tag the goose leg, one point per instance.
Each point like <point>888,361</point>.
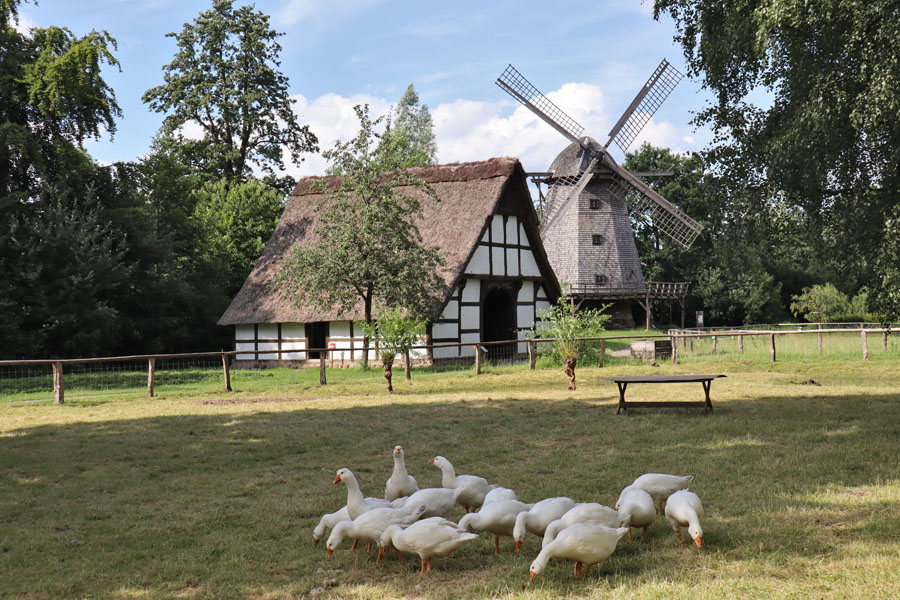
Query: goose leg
<point>368,547</point>
<point>645,533</point>
<point>380,554</point>
<point>577,572</point>
<point>355,544</point>
<point>660,508</point>
<point>586,569</point>
<point>629,534</point>
<point>423,566</point>
<point>428,565</point>
<point>399,556</point>
<point>497,545</point>
<point>678,533</point>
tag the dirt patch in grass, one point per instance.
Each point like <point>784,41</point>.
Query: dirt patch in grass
<point>227,401</point>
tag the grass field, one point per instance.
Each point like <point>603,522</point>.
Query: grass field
<point>206,494</point>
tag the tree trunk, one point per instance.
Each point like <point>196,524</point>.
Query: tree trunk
<point>569,364</point>
<point>367,303</point>
<point>388,366</point>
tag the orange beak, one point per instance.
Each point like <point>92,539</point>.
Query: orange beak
<point>315,541</point>
<point>330,551</point>
<point>698,542</point>
<point>337,479</point>
<point>532,575</point>
<point>518,546</point>
<point>431,460</point>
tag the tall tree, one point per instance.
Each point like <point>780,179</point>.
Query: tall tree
<point>224,78</point>
<point>826,140</point>
<point>370,250</point>
<point>411,121</point>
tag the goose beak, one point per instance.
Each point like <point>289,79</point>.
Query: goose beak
<point>431,460</point>
<point>532,575</point>
<point>337,479</point>
<point>518,545</point>
<point>698,542</point>
<point>315,541</point>
<point>330,551</point>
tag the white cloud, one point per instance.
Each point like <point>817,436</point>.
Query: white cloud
<point>323,14</point>
<point>468,130</point>
<point>24,24</point>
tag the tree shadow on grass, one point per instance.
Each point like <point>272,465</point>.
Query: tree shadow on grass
<point>226,503</point>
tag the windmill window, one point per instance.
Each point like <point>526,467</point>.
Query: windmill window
<point>600,279</point>
<point>595,203</point>
<point>597,239</point>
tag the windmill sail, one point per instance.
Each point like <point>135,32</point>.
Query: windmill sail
<point>645,104</point>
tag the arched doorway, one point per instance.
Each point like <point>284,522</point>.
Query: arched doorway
<point>498,321</point>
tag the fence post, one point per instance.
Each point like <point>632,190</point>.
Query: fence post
<point>59,389</point>
<point>820,342</point>
<point>226,372</point>
<point>865,344</point>
<point>151,369</point>
<point>477,359</point>
<point>602,351</point>
<point>674,350</point>
<point>884,340</point>
<point>692,345</point>
<point>715,342</point>
<point>772,346</point>
<point>531,355</point>
<point>322,367</point>
<point>740,344</point>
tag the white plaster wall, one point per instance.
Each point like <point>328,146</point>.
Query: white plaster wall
<point>450,352</point>
<point>497,229</point>
<point>541,294</point>
<point>541,305</point>
<point>512,225</point>
<point>529,265</point>
<point>486,237</point>
<point>526,292</point>
<point>267,331</point>
<point>472,291</point>
<point>243,332</point>
<point>244,346</point>
<point>523,237</point>
<point>521,348</point>
<point>524,317</point>
<point>497,256</point>
<point>293,331</point>
<point>445,330</point>
<point>512,261</point>
<point>268,346</point>
<point>451,311</point>
<point>470,317</point>
<point>339,329</point>
<point>469,339</point>
<point>480,264</point>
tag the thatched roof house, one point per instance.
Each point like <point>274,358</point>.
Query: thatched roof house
<point>496,269</point>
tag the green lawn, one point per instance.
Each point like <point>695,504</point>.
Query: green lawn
<point>207,494</point>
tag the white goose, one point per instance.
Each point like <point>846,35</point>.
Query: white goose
<point>436,502</point>
<point>328,521</point>
<point>539,516</point>
<point>499,493</point>
<point>400,483</point>
<point>356,503</point>
<point>684,510</point>
<point>587,512</point>
<point>474,488</point>
<point>427,538</point>
<point>369,526</point>
<point>636,509</point>
<point>659,485</point>
<point>585,543</point>
<point>498,518</point>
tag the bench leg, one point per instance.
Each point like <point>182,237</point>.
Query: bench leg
<point>621,408</point>
<point>706,386</point>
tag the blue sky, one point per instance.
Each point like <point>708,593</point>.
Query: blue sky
<point>589,57</point>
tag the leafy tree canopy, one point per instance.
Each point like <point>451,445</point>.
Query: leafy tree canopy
<point>412,121</point>
<point>370,249</point>
<point>224,78</point>
<point>827,142</point>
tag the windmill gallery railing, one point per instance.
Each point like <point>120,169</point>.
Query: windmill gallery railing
<point>38,376</point>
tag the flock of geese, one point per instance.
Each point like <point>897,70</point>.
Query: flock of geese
<point>409,519</point>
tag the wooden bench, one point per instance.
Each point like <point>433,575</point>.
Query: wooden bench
<point>622,382</point>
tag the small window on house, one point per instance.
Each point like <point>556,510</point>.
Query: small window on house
<point>595,203</point>
<point>597,239</point>
<point>600,279</point>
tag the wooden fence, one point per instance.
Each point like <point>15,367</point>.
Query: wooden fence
<point>684,338</point>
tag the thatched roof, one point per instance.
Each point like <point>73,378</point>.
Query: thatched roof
<point>469,194</point>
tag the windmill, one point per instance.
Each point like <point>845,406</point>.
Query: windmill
<point>585,223</point>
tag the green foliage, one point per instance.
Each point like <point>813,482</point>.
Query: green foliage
<point>824,144</point>
<point>237,220</point>
<point>395,332</point>
<point>224,78</point>
<point>827,303</point>
<point>565,324</point>
<point>411,132</point>
<point>369,249</point>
